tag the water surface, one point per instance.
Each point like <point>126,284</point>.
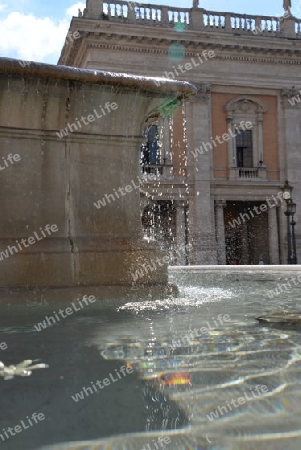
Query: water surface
<point>188,363</point>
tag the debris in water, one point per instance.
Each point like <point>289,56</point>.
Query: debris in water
<point>23,369</point>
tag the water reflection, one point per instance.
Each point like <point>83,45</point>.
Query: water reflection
<point>170,382</point>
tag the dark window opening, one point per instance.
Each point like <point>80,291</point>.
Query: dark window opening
<point>244,149</point>
<point>150,149</point>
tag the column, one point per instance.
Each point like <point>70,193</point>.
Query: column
<point>201,213</point>
<point>273,236</point>
<point>290,153</point>
<point>181,233</point>
<point>260,138</point>
<point>220,231</point>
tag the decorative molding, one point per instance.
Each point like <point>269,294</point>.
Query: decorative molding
<point>102,39</point>
<point>220,203</point>
<point>289,92</point>
<point>164,51</point>
<point>203,93</point>
<point>245,103</point>
<point>291,98</point>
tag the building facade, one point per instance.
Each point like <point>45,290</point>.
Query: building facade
<point>221,160</point>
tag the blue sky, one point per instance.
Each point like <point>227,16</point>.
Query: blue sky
<point>36,29</point>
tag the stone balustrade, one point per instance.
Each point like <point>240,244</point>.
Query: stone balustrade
<point>198,19</point>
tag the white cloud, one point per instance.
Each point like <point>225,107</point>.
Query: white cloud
<point>73,10</point>
<point>2,6</point>
<point>28,37</point>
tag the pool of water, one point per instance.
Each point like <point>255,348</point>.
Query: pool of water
<point>192,372</point>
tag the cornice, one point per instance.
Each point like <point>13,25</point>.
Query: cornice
<point>230,49</point>
<point>156,40</point>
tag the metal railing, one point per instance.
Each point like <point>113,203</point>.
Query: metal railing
<point>248,172</point>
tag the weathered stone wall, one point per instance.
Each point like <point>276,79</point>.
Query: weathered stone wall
<point>57,180</point>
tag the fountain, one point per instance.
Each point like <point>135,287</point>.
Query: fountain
<point>68,226</point>
<point>70,141</point>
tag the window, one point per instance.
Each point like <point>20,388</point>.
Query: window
<point>244,148</point>
<point>151,149</point>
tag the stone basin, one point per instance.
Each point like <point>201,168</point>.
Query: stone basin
<point>75,135</point>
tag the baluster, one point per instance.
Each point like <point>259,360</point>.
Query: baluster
<point>266,25</point>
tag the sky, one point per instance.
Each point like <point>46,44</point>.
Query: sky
<point>36,29</point>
